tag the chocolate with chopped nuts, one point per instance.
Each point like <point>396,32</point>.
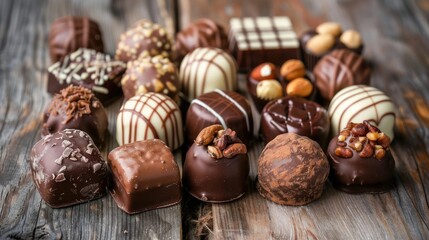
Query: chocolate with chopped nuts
<point>216,168</point>
<point>68,169</point>
<point>76,108</point>
<point>360,159</point>
<point>91,69</point>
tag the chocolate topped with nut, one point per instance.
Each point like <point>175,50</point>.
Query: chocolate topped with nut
<point>216,166</point>
<point>76,108</point>
<point>68,169</point>
<point>88,68</point>
<point>361,160</point>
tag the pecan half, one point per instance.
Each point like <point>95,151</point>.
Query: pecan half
<point>214,152</point>
<point>206,136</point>
<point>234,149</point>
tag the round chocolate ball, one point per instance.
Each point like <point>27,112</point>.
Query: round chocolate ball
<point>76,107</point>
<point>68,169</point>
<point>203,32</point>
<point>360,160</point>
<point>292,170</point>
<point>70,33</point>
<point>151,74</point>
<point>338,70</point>
<point>206,69</point>
<point>227,108</point>
<point>294,115</point>
<point>146,39</point>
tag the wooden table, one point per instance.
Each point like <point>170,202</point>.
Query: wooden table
<point>396,33</point>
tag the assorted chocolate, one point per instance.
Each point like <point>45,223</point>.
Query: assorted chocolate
<point>340,69</point>
<point>144,39</point>
<point>145,176</point>
<point>328,36</point>
<point>76,108</point>
<point>262,39</point>
<point>358,103</point>
<point>70,33</point>
<point>360,159</point>
<point>292,170</point>
<point>88,68</point>
<point>151,74</point>
<point>229,109</point>
<point>149,116</point>
<point>294,115</point>
<point>203,32</point>
<point>216,168</point>
<point>68,168</point>
<point>206,69</point>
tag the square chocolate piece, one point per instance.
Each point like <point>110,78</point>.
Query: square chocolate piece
<point>263,39</point>
<point>145,176</point>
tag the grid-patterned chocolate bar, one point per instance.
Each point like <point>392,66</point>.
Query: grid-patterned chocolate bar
<point>264,39</point>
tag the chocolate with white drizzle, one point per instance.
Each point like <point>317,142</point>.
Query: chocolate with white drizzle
<point>68,169</point>
<point>88,68</point>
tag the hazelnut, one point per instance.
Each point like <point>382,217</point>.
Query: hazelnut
<point>343,152</point>
<point>269,90</point>
<point>300,87</point>
<point>341,138</point>
<point>292,69</point>
<point>383,140</point>
<point>332,28</point>
<point>372,136</point>
<point>380,153</point>
<point>320,44</point>
<point>351,39</point>
<point>362,139</point>
<point>264,71</point>
<point>345,132</point>
<point>367,151</point>
<point>357,146</point>
<point>359,130</point>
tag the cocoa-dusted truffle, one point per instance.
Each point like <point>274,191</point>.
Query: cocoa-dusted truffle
<point>338,70</point>
<point>360,160</point>
<point>292,170</point>
<point>216,168</point>
<point>76,108</point>
<point>68,169</point>
<point>203,32</point>
<point>70,33</point>
<point>294,115</point>
<point>91,69</point>
<point>146,39</point>
<point>145,176</point>
<point>151,74</point>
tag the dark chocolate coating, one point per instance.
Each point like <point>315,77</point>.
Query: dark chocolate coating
<point>203,32</point>
<point>145,176</point>
<point>340,69</point>
<point>294,115</point>
<point>91,69</point>
<point>360,175</point>
<point>68,169</point>
<point>69,33</point>
<point>90,116</point>
<point>292,170</point>
<point>214,180</point>
<point>237,117</point>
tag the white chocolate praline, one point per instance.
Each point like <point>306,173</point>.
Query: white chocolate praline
<point>150,116</point>
<point>269,90</point>
<point>358,103</point>
<point>206,69</point>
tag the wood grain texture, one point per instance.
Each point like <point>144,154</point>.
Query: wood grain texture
<point>396,36</point>
<point>24,58</point>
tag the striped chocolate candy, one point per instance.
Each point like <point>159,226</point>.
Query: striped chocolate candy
<point>358,103</point>
<point>150,116</point>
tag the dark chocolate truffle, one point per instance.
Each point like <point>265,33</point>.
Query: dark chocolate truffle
<point>227,108</point>
<point>76,108</point>
<point>91,69</point>
<point>360,160</point>
<point>294,115</point>
<point>68,34</point>
<point>338,70</point>
<point>68,169</point>
<point>145,176</point>
<point>201,33</point>
<point>151,74</point>
<point>216,168</point>
<point>145,39</point>
<point>292,170</point>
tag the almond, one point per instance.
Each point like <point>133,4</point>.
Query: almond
<point>320,44</point>
<point>300,87</point>
<point>351,39</point>
<point>331,28</point>
<point>292,69</point>
<point>264,71</point>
